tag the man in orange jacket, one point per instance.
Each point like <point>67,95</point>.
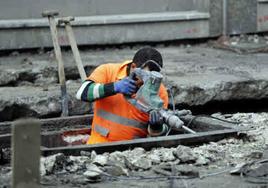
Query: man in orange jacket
<point>115,118</point>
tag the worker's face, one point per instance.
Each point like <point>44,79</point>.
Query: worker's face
<point>133,66</point>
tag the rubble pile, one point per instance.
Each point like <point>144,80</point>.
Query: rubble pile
<point>187,161</point>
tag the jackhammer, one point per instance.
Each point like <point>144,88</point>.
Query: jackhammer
<point>146,99</point>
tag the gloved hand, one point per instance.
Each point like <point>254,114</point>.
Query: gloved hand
<point>125,86</point>
<point>155,120</point>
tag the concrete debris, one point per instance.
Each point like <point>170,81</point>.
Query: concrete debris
<point>8,77</point>
<point>76,163</point>
<point>116,170</point>
<point>185,154</point>
<point>100,160</point>
<point>5,155</point>
<point>52,163</point>
<point>201,160</point>
<point>255,155</point>
<point>138,163</point>
<point>74,138</point>
<point>117,158</point>
<point>93,155</point>
<point>165,154</point>
<point>91,167</point>
<point>93,172</point>
<point>154,157</point>
<point>229,151</point>
<point>137,152</point>
<point>85,153</point>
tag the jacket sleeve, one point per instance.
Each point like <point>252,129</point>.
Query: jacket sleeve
<point>97,85</point>
<point>90,91</point>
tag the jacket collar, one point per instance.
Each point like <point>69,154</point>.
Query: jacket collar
<point>122,72</point>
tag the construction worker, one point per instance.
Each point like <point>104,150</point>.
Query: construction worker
<point>115,118</point>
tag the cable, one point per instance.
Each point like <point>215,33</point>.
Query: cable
<point>172,100</point>
<point>173,105</point>
<point>224,120</point>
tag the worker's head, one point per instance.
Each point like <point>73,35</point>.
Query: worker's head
<point>148,58</point>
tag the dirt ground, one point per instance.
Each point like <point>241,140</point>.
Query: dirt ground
<point>197,74</point>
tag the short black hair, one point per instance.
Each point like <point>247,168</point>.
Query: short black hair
<point>145,56</point>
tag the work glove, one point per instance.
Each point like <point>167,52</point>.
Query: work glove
<point>155,120</point>
<point>125,86</point>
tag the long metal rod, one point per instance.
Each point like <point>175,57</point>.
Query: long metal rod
<point>188,130</point>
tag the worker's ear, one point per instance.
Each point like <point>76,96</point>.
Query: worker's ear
<point>133,65</point>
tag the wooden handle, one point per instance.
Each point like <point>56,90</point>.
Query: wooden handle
<point>75,50</point>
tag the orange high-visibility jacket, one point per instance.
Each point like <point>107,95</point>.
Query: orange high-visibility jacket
<point>115,118</point>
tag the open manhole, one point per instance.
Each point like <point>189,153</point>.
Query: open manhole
<point>68,135</point>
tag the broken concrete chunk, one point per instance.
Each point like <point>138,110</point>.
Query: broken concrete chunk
<point>201,160</point>
<point>117,156</point>
<point>79,159</point>
<point>93,155</point>
<point>85,153</point>
<point>7,77</point>
<point>52,163</point>
<point>138,163</point>
<point>100,160</point>
<point>116,170</point>
<point>256,155</point>
<point>185,154</point>
<point>166,154</point>
<point>77,163</point>
<point>137,152</point>
<point>154,158</point>
<point>92,171</point>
